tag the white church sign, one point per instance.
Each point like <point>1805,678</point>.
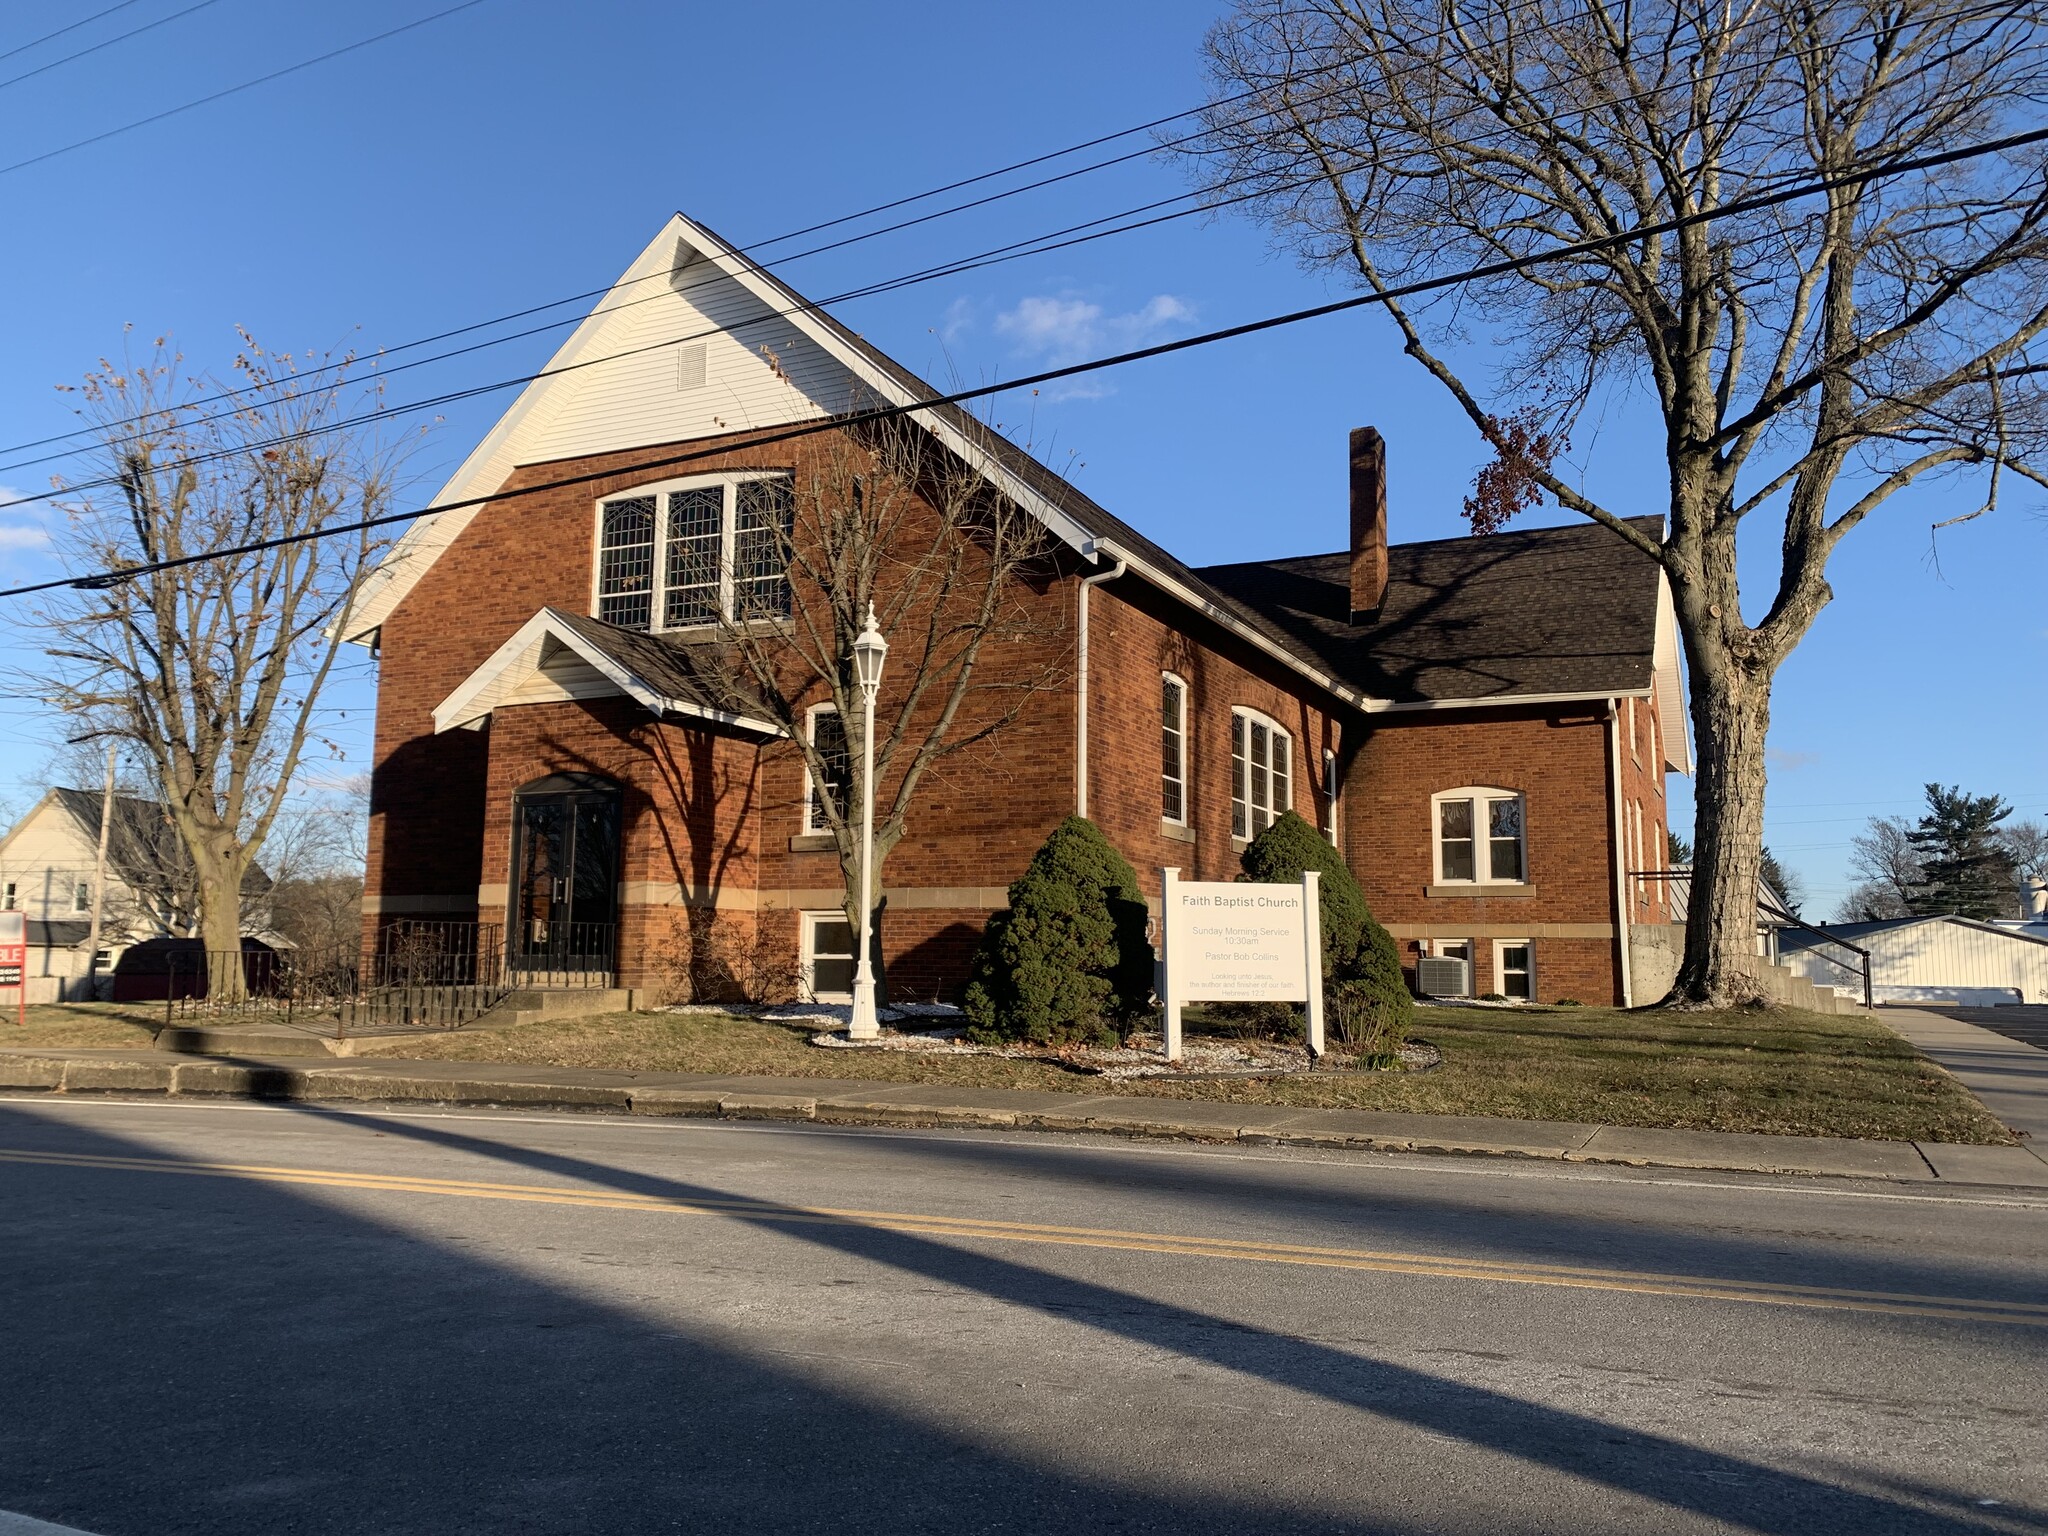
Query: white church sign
<point>1237,942</point>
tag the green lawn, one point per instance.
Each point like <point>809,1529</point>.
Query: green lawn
<point>1776,1070</point>
<point>1772,1070</point>
<point>85,1024</point>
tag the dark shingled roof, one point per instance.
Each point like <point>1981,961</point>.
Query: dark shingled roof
<point>142,844</point>
<point>1532,611</point>
<point>667,666</point>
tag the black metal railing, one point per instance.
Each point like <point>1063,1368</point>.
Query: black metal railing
<point>562,954</point>
<point>418,974</point>
<point>1851,959</point>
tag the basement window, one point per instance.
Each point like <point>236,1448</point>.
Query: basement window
<point>690,553</point>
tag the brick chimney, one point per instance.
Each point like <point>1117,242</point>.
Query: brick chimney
<point>1368,524</point>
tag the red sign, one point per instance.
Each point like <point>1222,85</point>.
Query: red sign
<point>14,959</point>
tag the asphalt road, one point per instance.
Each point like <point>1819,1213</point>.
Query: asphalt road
<point>238,1318</point>
<point>2025,1022</point>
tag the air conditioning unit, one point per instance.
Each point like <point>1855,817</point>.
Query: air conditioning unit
<point>1443,976</point>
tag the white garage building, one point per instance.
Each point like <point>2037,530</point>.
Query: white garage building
<point>1928,960</point>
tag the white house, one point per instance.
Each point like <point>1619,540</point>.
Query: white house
<point>1928,960</point>
<point>46,872</point>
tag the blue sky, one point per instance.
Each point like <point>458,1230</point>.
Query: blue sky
<point>517,152</point>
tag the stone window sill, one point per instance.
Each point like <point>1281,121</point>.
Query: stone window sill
<point>813,842</point>
<point>1175,831</point>
<point>1482,891</point>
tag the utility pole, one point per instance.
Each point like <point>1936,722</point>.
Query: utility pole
<point>99,883</point>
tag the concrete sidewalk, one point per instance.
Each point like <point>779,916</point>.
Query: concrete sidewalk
<point>2008,1076</point>
<point>857,1102</point>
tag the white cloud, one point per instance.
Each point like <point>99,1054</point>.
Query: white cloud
<point>1790,761</point>
<point>1058,329</point>
<point>20,535</point>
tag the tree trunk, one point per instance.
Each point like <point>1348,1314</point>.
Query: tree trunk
<point>219,882</point>
<point>1731,711</point>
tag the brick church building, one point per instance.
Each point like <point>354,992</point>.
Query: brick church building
<point>1482,725</point>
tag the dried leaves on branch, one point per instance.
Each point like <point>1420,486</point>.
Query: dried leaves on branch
<point>1808,362</point>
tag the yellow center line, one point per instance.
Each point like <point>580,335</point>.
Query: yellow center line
<point>1576,1277</point>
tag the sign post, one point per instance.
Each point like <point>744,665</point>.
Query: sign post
<point>1236,942</point>
<point>14,960</point>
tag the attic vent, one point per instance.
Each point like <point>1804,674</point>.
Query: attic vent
<point>690,367</point>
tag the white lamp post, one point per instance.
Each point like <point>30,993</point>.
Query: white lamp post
<point>869,650</point>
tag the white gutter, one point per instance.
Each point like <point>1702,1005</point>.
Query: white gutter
<point>1621,904</point>
<point>1504,701</point>
<point>1081,692</point>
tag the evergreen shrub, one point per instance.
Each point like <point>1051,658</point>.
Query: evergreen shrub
<point>1068,963</point>
<point>1366,1002</point>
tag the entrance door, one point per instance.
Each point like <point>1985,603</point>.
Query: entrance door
<point>565,863</point>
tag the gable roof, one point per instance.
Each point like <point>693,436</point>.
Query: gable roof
<point>141,842</point>
<point>1805,938</point>
<point>1525,614</point>
<point>844,372</point>
<point>624,354</point>
<point>561,655</point>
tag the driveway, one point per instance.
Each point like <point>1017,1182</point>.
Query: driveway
<point>2025,1022</point>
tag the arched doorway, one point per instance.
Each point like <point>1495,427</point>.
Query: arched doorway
<point>565,875</point>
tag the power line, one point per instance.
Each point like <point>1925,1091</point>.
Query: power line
<point>1482,273</point>
<point>1015,250</point>
<point>233,90</point>
<point>53,36</point>
<point>148,26</point>
<point>842,219</point>
<point>882,286</point>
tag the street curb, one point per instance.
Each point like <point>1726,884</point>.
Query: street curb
<point>857,1102</point>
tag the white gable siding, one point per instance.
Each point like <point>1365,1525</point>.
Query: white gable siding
<point>1937,961</point>
<point>43,858</point>
<point>638,399</point>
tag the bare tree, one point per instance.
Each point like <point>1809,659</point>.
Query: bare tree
<point>2026,844</point>
<point>1809,361</point>
<point>891,520</point>
<point>1887,870</point>
<point>211,671</point>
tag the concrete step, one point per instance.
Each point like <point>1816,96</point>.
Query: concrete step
<point>529,1005</point>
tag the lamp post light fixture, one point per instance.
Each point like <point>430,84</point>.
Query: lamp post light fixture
<point>869,651</point>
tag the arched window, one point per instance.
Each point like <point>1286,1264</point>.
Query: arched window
<point>1480,837</point>
<point>1173,749</point>
<point>1261,773</point>
<point>827,734</point>
<point>723,552</point>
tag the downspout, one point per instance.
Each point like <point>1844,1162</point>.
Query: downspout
<point>1621,924</point>
<point>1081,691</point>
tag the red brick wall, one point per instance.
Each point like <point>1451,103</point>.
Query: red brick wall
<point>1557,759</point>
<point>1134,636</point>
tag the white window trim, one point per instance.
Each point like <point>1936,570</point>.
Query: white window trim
<point>1482,854</point>
<point>660,490</point>
<point>1330,796</point>
<point>1500,949</point>
<point>812,821</point>
<point>1186,755</point>
<point>1441,949</point>
<point>1240,793</point>
<point>807,955</point>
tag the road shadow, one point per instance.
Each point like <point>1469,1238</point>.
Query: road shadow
<point>1679,1478</point>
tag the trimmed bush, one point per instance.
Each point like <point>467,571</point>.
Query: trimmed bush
<point>1068,963</point>
<point>1366,1002</point>
<point>1282,853</point>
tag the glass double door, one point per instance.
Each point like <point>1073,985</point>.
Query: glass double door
<point>565,881</point>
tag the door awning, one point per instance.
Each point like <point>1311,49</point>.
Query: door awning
<point>558,656</point>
